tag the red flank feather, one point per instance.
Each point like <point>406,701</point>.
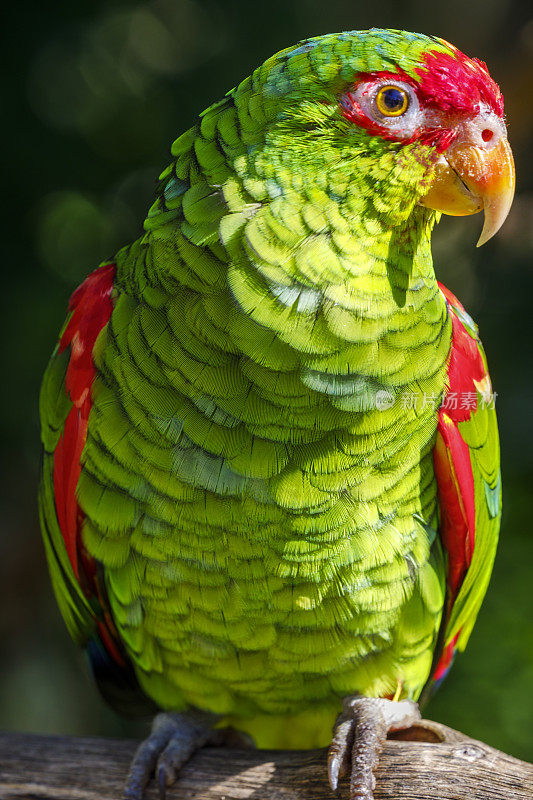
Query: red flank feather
<point>455,481</point>
<point>451,460</point>
<point>445,660</point>
<point>91,306</point>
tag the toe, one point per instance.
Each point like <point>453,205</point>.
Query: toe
<point>173,740</point>
<point>340,750</point>
<point>143,764</point>
<point>177,752</point>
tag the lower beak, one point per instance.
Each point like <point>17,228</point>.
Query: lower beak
<point>469,178</point>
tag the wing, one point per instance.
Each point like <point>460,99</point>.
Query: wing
<point>65,404</point>
<point>467,468</point>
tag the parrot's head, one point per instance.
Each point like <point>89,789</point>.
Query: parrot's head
<point>398,122</point>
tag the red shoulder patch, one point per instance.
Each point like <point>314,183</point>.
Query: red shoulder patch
<point>466,377</point>
<point>90,306</point>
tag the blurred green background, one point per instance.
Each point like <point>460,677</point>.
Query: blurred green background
<point>93,96</point>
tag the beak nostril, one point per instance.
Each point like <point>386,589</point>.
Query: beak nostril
<point>487,135</point>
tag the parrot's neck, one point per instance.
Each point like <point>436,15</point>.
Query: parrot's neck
<point>390,272</point>
<point>388,317</point>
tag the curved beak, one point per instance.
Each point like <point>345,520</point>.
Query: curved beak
<point>470,178</point>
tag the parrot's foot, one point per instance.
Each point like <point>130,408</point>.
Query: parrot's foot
<point>173,740</point>
<point>358,738</point>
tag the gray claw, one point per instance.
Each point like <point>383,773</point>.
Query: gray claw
<point>340,751</point>
<point>162,782</point>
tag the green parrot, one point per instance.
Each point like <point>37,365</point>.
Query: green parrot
<point>270,491</point>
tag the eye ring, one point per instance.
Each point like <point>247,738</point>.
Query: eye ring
<point>392,101</point>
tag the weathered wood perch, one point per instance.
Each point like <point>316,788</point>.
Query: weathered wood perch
<point>451,767</point>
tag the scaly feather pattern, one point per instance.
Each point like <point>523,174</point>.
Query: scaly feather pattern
<point>258,496</point>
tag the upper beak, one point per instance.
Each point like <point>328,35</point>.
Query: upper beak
<point>474,175</point>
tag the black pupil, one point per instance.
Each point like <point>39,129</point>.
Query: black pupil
<point>393,99</point>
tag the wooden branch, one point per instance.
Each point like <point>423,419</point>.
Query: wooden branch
<point>449,766</point>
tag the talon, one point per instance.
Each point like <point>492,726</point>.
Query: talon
<point>333,772</point>
<point>340,750</point>
<point>162,782</point>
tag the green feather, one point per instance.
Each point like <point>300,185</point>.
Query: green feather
<point>261,501</point>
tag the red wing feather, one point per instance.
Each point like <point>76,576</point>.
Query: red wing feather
<point>452,460</point>
<point>90,306</point>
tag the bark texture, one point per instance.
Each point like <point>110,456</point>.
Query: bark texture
<point>439,764</point>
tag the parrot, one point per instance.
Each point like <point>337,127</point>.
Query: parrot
<point>270,494</point>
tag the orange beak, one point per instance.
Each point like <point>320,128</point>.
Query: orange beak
<point>470,178</point>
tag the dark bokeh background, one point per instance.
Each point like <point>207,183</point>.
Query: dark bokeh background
<point>93,95</point>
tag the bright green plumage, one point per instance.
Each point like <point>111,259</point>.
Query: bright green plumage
<point>261,500</point>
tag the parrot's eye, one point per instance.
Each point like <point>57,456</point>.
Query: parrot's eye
<point>392,101</point>
<point>392,104</point>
